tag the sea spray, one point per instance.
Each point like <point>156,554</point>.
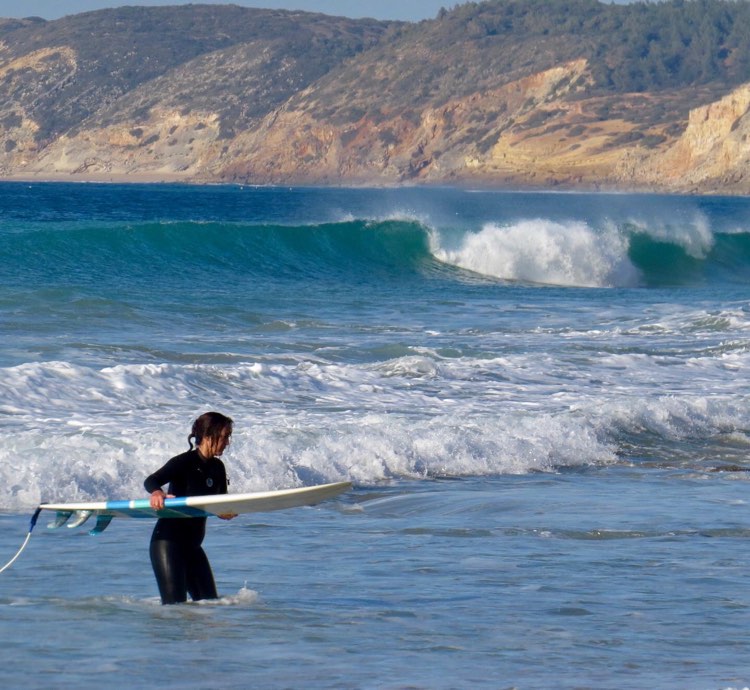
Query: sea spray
<point>545,252</point>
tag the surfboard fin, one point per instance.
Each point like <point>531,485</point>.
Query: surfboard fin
<point>80,518</point>
<point>102,522</point>
<point>61,517</point>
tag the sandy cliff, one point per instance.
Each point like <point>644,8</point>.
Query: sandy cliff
<point>712,154</point>
<point>264,97</point>
<point>533,135</point>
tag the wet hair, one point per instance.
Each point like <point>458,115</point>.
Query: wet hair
<point>209,425</point>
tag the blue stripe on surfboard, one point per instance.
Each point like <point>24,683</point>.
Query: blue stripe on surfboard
<point>174,507</point>
<point>187,511</point>
<point>144,504</point>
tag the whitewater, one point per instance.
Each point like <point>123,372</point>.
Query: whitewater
<point>541,400</point>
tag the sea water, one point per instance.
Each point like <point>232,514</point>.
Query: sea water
<point>541,400</point>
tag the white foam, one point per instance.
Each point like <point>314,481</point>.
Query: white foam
<point>307,423</point>
<point>675,418</point>
<point>295,424</point>
<point>243,597</point>
<point>551,393</point>
<point>545,252</point>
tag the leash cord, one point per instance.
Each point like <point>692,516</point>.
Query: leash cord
<point>25,541</point>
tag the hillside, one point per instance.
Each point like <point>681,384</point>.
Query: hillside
<point>522,93</point>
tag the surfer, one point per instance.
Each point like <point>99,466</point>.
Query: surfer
<point>180,564</point>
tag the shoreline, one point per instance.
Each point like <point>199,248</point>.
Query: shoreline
<point>147,178</point>
<point>110,178</point>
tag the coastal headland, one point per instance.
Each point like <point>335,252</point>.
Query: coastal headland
<point>523,94</point>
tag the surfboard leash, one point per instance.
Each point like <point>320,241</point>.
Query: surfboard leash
<point>32,524</point>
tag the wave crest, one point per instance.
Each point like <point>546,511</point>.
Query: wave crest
<point>546,252</point>
<point>576,253</point>
<point>387,250</point>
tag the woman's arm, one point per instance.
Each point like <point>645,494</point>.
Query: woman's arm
<point>155,481</point>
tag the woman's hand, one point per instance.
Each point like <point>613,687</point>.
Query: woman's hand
<point>157,499</point>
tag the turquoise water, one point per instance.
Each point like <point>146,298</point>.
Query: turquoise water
<point>540,398</point>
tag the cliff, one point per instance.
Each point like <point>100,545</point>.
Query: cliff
<point>514,93</point>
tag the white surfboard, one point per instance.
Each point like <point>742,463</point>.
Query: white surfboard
<point>192,506</point>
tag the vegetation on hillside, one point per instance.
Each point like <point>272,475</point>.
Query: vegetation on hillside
<point>641,46</point>
<point>122,49</point>
<point>695,49</point>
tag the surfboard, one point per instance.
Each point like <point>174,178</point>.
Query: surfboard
<point>191,506</point>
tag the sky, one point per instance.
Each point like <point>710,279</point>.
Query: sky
<point>404,10</point>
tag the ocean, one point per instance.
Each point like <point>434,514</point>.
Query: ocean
<point>540,398</point>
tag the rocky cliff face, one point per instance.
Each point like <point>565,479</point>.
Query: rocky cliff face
<point>436,144</point>
<point>712,154</point>
<point>271,97</point>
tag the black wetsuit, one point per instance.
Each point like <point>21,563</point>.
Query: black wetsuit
<point>179,562</point>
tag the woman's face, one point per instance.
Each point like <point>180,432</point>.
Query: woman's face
<point>214,446</point>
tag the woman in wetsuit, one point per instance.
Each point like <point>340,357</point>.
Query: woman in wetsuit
<point>178,559</point>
